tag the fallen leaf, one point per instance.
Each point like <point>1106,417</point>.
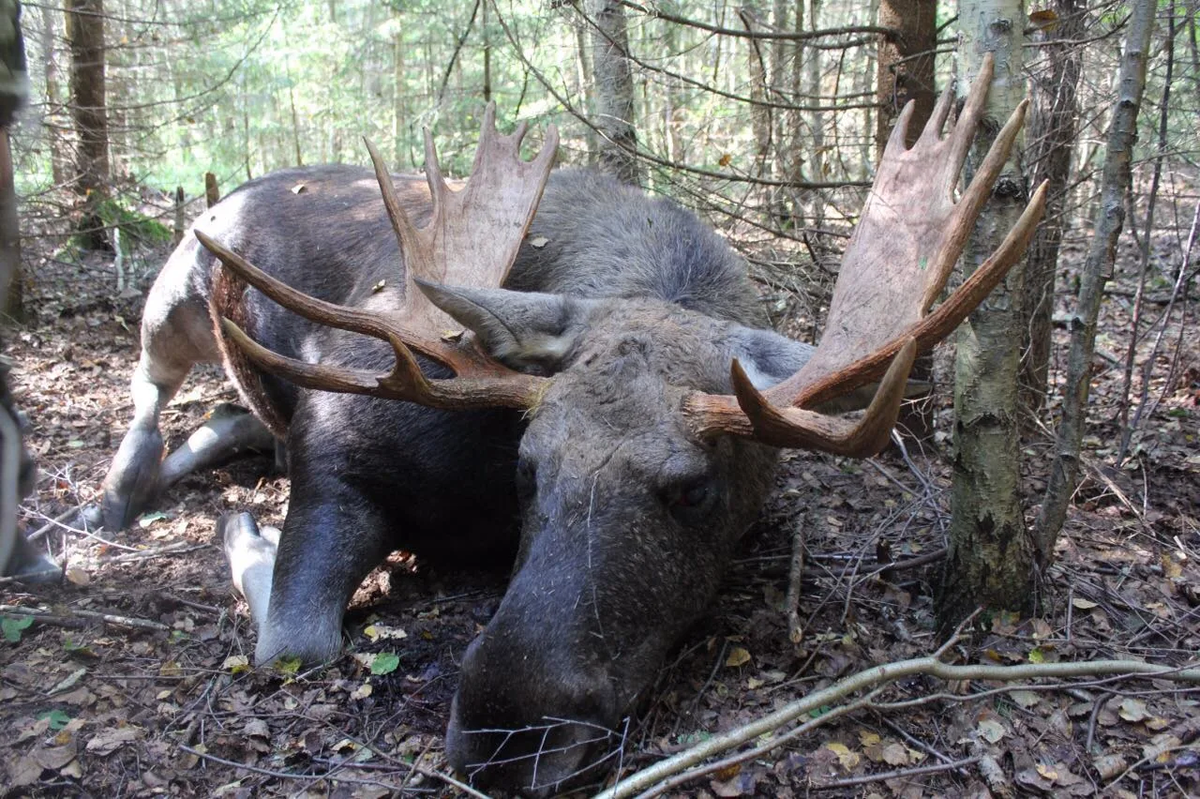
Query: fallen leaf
<point>1109,766</point>
<point>257,728</point>
<point>1133,710</point>
<point>1025,699</point>
<point>738,656</point>
<point>991,730</point>
<point>111,739</point>
<point>846,759</point>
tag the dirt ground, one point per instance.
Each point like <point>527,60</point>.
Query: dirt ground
<point>132,678</point>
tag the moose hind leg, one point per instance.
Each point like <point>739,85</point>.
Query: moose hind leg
<point>229,432</point>
<point>134,478</point>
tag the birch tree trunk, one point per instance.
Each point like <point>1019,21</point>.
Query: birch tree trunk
<point>1110,218</point>
<point>990,559</point>
<point>614,91</point>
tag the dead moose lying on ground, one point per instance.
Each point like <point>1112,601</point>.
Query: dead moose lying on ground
<point>590,417</point>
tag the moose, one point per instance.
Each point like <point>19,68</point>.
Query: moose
<point>546,362</point>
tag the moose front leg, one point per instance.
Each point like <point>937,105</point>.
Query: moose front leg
<point>298,583</point>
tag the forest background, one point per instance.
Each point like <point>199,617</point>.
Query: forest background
<point>766,118</point>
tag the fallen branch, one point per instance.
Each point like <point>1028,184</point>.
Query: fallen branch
<point>684,766</point>
<point>897,774</point>
<point>47,617</point>
<point>146,554</point>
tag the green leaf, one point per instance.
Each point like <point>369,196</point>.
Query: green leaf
<point>288,666</point>
<point>12,627</point>
<point>385,663</point>
<point>58,719</point>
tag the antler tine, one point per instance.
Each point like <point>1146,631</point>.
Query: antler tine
<point>972,202</point>
<point>968,119</point>
<point>941,112</point>
<point>907,240</point>
<point>438,190</point>
<point>328,313</point>
<point>404,382</point>
<point>478,383</point>
<point>406,233</point>
<point>799,428</point>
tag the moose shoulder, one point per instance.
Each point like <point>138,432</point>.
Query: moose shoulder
<point>590,414</point>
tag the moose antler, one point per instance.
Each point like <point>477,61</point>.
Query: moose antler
<point>903,249</point>
<point>501,197</point>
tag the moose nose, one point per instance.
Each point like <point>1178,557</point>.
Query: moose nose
<point>531,730</point>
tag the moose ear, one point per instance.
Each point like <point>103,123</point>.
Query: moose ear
<point>769,358</point>
<point>528,331</point>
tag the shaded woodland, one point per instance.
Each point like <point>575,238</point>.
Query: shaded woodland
<point>1051,475</point>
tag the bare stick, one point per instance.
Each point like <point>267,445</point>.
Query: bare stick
<point>891,775</point>
<point>795,576</point>
<point>871,679</point>
<point>108,618</point>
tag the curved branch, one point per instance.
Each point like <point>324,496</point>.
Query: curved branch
<point>870,679</point>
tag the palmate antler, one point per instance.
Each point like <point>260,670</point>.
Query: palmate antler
<point>500,199</point>
<point>903,249</point>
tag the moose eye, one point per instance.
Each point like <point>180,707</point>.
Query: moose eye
<point>690,497</point>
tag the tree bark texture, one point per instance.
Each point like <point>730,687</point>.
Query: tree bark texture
<point>990,559</point>
<point>1110,218</point>
<point>1052,127</point>
<point>905,66</point>
<point>14,91</point>
<point>904,72</point>
<point>85,36</point>
<point>614,91</point>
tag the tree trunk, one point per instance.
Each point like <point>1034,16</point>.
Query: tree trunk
<point>1051,138</point>
<point>990,559</point>
<point>399,115</point>
<point>817,121</point>
<point>587,86</point>
<point>85,35</point>
<point>614,91</point>
<point>52,119</point>
<point>905,72</point>
<point>905,66</point>
<point>1110,217</point>
<point>760,115</point>
<point>14,92</point>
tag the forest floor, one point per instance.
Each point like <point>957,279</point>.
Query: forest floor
<point>158,699</point>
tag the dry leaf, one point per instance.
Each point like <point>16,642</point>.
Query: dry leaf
<point>738,656</point>
<point>111,739</point>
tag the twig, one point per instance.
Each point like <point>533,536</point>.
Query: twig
<point>57,521</point>
<point>891,775</point>
<point>795,576</point>
<point>145,554</point>
<point>875,678</point>
<point>332,774</point>
<point>108,618</point>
